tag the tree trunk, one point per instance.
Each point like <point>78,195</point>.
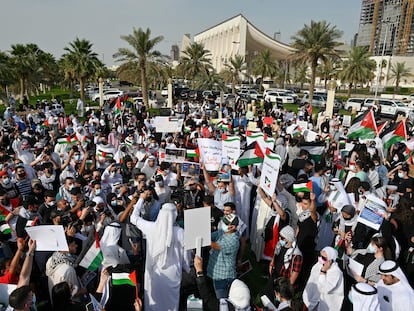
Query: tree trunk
<point>349,89</point>
<point>312,81</point>
<point>82,89</point>
<point>144,82</point>
<point>21,80</point>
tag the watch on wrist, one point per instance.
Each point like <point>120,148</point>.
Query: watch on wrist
<point>200,273</point>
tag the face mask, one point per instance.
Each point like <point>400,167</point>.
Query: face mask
<point>282,243</point>
<point>225,228</point>
<point>6,181</point>
<point>142,150</point>
<point>112,174</point>
<point>160,183</point>
<point>395,159</point>
<point>22,175</point>
<point>328,175</point>
<point>71,187</point>
<point>332,187</point>
<point>98,191</point>
<point>321,261</point>
<point>371,249</point>
<point>221,190</point>
<point>166,171</point>
<point>114,203</point>
<point>51,203</point>
<point>352,167</point>
<point>88,228</point>
<point>360,192</point>
<point>350,297</point>
<point>400,175</point>
<point>299,209</point>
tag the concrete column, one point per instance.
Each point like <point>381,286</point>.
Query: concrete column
<point>331,98</point>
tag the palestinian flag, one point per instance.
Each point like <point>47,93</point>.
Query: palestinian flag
<point>5,228</point>
<point>303,187</point>
<point>394,134</point>
<point>315,149</point>
<point>381,126</point>
<point>105,155</point>
<point>187,129</point>
<point>3,213</point>
<point>251,155</point>
<point>191,153</point>
<point>45,124</point>
<point>118,107</point>
<point>408,154</point>
<point>123,278</point>
<point>93,257</point>
<point>363,126</point>
<point>223,126</point>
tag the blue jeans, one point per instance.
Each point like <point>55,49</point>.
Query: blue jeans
<point>221,287</point>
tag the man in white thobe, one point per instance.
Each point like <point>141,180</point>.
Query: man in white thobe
<point>165,257</point>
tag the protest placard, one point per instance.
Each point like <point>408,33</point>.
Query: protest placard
<point>175,155</point>
<point>231,150</point>
<point>210,153</point>
<point>48,237</point>
<point>167,124</point>
<point>346,120</point>
<point>197,228</point>
<point>270,172</point>
<point>373,212</point>
<point>190,169</point>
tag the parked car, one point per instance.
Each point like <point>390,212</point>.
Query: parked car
<point>164,92</point>
<point>389,107</point>
<point>125,83</point>
<point>354,103</point>
<point>317,100</point>
<point>195,95</point>
<point>107,95</point>
<point>279,97</point>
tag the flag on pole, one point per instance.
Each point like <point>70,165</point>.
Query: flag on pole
<point>363,126</point>
<point>303,187</point>
<point>394,134</point>
<point>251,155</point>
<point>315,149</point>
<point>123,278</point>
<point>117,107</point>
<point>381,126</point>
<point>93,257</point>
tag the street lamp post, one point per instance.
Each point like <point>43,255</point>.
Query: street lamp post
<point>381,60</point>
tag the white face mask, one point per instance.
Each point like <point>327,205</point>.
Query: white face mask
<point>395,159</point>
<point>112,174</point>
<point>6,181</point>
<point>98,191</point>
<point>299,209</point>
<point>71,187</point>
<point>400,175</point>
<point>332,187</point>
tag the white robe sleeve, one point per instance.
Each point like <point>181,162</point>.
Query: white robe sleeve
<point>135,219</point>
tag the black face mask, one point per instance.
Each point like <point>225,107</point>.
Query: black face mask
<point>298,199</point>
<point>22,175</point>
<point>148,199</point>
<point>5,202</point>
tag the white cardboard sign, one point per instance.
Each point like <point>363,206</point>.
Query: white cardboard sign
<point>210,153</point>
<point>197,225</point>
<point>48,237</point>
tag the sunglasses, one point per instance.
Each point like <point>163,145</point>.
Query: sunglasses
<point>324,258</point>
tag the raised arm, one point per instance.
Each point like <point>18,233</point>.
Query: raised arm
<point>24,278</point>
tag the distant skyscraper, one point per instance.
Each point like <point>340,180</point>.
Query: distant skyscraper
<point>175,52</point>
<point>388,22</point>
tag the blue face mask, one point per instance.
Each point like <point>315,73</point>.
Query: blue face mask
<point>114,203</point>
<point>371,249</point>
<point>221,190</point>
<point>225,228</point>
<point>282,243</point>
<point>350,296</point>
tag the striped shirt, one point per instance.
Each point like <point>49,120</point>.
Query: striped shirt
<point>24,185</point>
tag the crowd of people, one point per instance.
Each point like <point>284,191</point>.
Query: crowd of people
<point>336,234</point>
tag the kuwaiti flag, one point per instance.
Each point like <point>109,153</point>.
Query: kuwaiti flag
<point>124,278</point>
<point>251,155</point>
<point>394,134</point>
<point>363,126</point>
<point>303,187</point>
<point>315,149</point>
<point>93,256</point>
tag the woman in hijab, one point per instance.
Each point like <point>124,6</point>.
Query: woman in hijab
<point>325,287</point>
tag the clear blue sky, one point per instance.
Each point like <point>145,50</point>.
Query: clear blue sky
<point>52,24</point>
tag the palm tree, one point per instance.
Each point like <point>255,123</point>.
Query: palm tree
<point>327,70</point>
<point>313,43</point>
<point>82,61</point>
<point>7,76</point>
<point>399,71</point>
<point>24,61</point>
<point>196,60</point>
<point>141,53</point>
<point>264,65</point>
<point>235,68</point>
<point>357,67</point>
<point>210,80</point>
